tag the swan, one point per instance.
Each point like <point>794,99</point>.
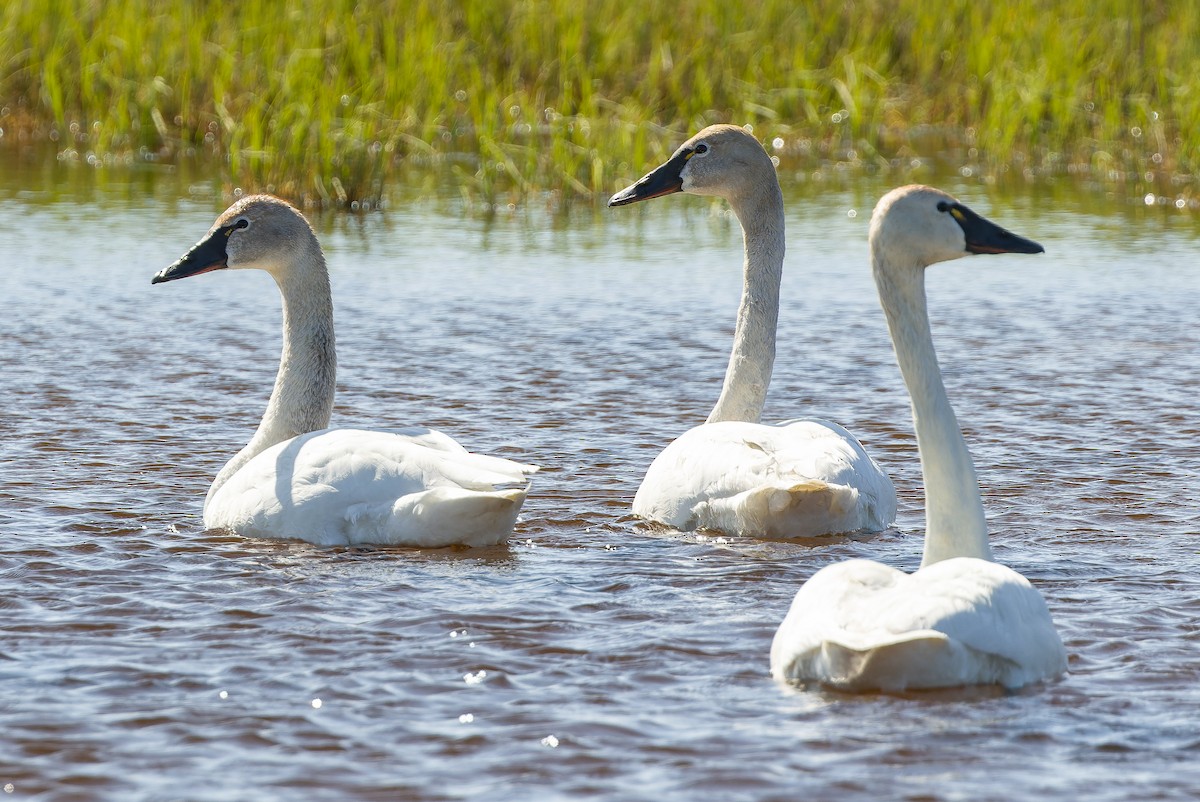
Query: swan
<point>298,479</point>
<point>799,478</point>
<point>960,619</point>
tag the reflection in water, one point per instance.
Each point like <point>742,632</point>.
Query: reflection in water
<point>143,657</point>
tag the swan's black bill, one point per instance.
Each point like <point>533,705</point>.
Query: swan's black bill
<point>984,236</point>
<point>206,255</point>
<point>663,180</point>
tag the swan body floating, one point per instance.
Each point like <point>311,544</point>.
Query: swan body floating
<point>298,479</point>
<point>800,478</point>
<point>960,619</point>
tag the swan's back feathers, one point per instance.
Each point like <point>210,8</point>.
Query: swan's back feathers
<point>861,625</point>
<point>799,478</point>
<point>416,487</point>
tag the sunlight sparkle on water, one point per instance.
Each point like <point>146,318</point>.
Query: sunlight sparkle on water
<point>621,636</point>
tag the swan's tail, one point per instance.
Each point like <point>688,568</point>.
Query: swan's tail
<point>440,516</point>
<point>804,509</point>
<point>914,661</point>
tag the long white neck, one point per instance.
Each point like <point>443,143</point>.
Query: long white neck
<point>302,400</point>
<point>954,519</point>
<point>749,373</point>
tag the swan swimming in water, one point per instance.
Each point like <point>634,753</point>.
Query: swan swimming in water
<point>960,619</point>
<point>298,479</point>
<point>798,478</point>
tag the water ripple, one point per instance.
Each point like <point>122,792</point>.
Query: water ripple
<point>144,658</point>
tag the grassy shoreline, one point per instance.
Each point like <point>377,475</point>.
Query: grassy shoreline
<point>322,101</point>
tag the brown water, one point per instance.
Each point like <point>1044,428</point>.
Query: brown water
<point>143,658</point>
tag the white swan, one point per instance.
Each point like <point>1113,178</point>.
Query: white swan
<point>961,619</point>
<point>297,479</point>
<point>799,478</point>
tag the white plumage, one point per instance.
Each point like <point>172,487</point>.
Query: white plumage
<point>961,619</point>
<point>353,486</point>
<point>862,625</point>
<point>800,478</point>
<point>298,479</point>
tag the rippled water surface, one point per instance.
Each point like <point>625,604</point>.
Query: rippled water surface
<point>592,657</point>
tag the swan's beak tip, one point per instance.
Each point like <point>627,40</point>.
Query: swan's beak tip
<point>623,197</point>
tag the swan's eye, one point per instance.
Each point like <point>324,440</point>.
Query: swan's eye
<point>943,206</point>
<point>241,222</point>
<point>701,149</point>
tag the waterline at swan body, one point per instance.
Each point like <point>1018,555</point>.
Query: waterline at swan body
<point>733,474</point>
<point>960,619</point>
<point>296,478</point>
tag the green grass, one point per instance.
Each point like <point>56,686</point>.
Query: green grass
<point>322,100</point>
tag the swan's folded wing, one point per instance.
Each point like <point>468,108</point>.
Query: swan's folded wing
<point>346,486</point>
<point>432,438</point>
<point>988,608</point>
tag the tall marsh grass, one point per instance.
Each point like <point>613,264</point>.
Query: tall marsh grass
<point>322,99</point>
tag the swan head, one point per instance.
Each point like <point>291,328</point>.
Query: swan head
<point>722,160</point>
<point>258,231</point>
<point>918,226</point>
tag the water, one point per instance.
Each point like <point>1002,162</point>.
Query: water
<point>592,657</point>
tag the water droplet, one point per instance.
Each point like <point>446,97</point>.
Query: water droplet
<point>1180,203</point>
<point>550,741</point>
<point>472,644</point>
<point>316,703</point>
<point>9,788</point>
<point>223,694</point>
<point>777,143</point>
<point>466,718</point>
<point>1149,199</point>
<point>1136,132</point>
<point>852,213</point>
<point>475,679</point>
<point>460,95</point>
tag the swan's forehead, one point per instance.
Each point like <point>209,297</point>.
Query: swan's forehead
<point>718,135</point>
<point>255,207</point>
<point>916,195</point>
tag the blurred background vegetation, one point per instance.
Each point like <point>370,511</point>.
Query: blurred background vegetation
<point>327,101</point>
